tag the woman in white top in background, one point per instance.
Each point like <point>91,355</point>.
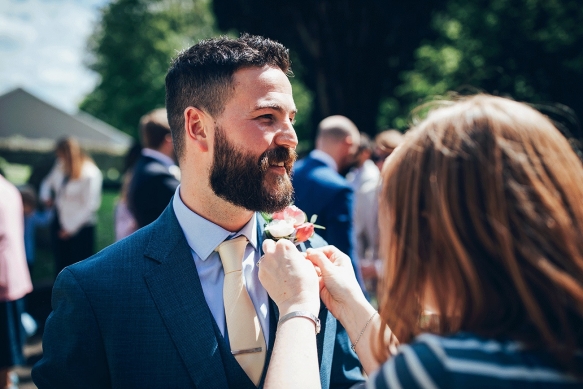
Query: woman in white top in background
<point>73,187</point>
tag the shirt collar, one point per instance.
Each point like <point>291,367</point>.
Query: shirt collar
<point>158,156</point>
<point>202,235</point>
<point>325,158</point>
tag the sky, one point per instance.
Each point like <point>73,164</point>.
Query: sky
<point>43,47</point>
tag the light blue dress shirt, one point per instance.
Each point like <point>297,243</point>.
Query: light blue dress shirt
<point>203,236</point>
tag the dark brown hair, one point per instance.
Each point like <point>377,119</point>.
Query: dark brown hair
<point>153,128</point>
<point>483,205</point>
<point>202,76</point>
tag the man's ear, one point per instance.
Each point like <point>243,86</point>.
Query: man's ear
<point>349,140</point>
<point>195,124</point>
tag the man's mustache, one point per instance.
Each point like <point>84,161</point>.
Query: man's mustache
<point>281,154</point>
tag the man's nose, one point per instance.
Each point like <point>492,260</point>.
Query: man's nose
<point>287,136</point>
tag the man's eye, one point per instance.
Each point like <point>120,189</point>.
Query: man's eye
<point>292,120</point>
<point>268,117</point>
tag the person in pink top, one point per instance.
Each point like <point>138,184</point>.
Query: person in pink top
<point>14,280</point>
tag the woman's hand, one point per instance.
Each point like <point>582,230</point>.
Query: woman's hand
<point>342,295</point>
<point>339,288</point>
<point>289,278</point>
<point>292,282</point>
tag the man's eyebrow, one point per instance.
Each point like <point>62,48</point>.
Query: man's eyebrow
<point>274,106</point>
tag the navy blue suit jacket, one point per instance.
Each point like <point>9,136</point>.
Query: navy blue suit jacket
<point>320,190</point>
<point>134,316</point>
<point>151,188</point>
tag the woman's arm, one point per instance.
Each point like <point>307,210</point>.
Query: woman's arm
<point>294,360</point>
<point>292,283</point>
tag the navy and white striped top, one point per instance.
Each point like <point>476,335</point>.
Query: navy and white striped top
<point>464,360</point>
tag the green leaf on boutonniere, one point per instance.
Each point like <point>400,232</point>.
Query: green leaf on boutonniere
<point>267,216</point>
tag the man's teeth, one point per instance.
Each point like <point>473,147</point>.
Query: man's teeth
<point>278,164</point>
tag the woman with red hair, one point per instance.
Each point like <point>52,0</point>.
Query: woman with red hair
<point>481,217</point>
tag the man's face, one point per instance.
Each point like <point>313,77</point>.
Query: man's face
<point>254,144</point>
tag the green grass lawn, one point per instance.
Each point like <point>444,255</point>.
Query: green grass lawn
<point>105,224</point>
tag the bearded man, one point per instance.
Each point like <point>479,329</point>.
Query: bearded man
<point>158,309</point>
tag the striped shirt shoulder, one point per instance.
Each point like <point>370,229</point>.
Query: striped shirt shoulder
<point>467,361</point>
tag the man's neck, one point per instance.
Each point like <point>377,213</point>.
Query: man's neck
<point>203,201</point>
<point>327,158</point>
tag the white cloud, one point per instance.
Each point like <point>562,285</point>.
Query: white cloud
<point>15,30</point>
<point>43,45</point>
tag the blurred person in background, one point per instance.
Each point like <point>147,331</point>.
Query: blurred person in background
<point>33,218</point>
<point>364,170</point>
<point>366,226</point>
<point>73,187</point>
<point>364,178</point>
<point>124,221</point>
<point>482,227</point>
<point>384,144</point>
<point>14,282</point>
<point>155,175</point>
<point>320,190</point>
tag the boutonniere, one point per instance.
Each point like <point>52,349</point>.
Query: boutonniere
<point>291,224</point>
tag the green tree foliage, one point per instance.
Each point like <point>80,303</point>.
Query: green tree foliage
<point>528,49</point>
<point>350,52</point>
<point>131,51</point>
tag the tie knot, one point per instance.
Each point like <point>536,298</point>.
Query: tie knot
<point>231,253</point>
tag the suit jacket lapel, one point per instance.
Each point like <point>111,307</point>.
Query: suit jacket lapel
<point>177,292</point>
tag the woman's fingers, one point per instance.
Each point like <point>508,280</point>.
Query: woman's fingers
<point>268,246</point>
<point>331,252</point>
<point>320,260</point>
<point>334,256</point>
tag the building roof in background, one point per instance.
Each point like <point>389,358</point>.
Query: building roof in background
<point>29,123</point>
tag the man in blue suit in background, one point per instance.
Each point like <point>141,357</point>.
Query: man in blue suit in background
<point>148,311</point>
<point>155,176</point>
<point>321,190</point>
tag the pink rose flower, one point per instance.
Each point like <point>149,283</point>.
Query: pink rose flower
<point>291,223</point>
<point>304,232</point>
<point>278,215</point>
<point>292,214</point>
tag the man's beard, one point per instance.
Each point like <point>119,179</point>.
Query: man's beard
<point>243,180</point>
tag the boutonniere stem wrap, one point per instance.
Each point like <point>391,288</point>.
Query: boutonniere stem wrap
<point>291,224</point>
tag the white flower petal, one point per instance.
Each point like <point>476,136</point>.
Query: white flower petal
<point>280,228</point>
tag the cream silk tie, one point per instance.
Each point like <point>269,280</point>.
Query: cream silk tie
<point>245,334</point>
